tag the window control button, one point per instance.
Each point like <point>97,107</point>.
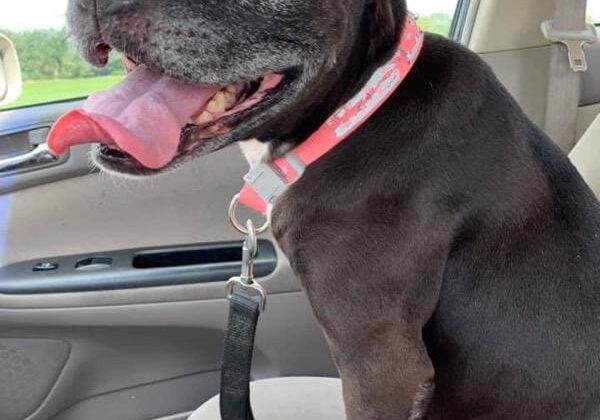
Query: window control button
<point>46,266</point>
<point>93,264</point>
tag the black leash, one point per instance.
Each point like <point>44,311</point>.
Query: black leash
<point>244,310</point>
<point>247,300</point>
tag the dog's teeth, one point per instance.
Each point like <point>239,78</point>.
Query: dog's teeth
<point>231,89</point>
<point>229,100</point>
<point>204,118</point>
<point>218,103</point>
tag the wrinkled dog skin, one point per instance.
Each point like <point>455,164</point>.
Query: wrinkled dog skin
<point>449,250</point>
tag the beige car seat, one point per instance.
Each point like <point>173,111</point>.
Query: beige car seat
<point>299,398</point>
<point>586,156</point>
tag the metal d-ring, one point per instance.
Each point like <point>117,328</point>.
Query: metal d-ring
<point>240,227</point>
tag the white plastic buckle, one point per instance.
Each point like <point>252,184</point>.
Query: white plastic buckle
<point>266,182</point>
<point>574,41</point>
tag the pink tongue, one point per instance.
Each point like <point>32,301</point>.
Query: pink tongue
<point>143,115</point>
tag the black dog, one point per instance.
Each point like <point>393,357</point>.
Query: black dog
<point>450,251</point>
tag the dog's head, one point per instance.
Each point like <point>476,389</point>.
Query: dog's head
<point>268,69</point>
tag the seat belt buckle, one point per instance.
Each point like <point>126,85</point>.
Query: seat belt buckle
<point>574,41</point>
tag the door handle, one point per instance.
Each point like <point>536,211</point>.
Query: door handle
<point>36,157</point>
<point>26,151</point>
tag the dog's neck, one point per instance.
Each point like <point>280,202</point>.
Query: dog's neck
<point>267,181</point>
<point>363,61</point>
<point>373,44</point>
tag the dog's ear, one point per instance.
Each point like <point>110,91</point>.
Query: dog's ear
<point>385,20</point>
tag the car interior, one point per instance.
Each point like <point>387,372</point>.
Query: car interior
<point>112,291</point>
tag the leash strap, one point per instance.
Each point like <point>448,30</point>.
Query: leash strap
<point>244,311</point>
<point>247,299</point>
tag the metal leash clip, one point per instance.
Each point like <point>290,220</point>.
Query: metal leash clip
<point>249,250</point>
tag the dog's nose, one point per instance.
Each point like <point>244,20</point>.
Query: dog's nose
<point>113,7</point>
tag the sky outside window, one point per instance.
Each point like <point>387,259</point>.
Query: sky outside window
<point>42,14</point>
<point>38,14</point>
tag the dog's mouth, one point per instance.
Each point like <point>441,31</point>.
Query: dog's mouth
<point>145,122</point>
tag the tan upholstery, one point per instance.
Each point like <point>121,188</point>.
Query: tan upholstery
<point>586,156</point>
<point>288,399</point>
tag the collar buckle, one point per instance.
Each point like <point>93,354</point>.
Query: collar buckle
<point>266,182</point>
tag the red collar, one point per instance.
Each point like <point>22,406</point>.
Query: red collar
<point>267,181</point>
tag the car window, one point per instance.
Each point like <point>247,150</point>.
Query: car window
<point>434,15</point>
<point>52,70</point>
<point>593,14</point>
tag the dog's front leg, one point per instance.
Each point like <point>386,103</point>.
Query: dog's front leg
<point>389,377</point>
<point>383,362</point>
<point>372,290</point>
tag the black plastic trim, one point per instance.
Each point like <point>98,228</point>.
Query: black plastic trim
<point>222,264</point>
<point>459,20</point>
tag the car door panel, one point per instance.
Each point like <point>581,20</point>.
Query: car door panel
<point>99,212</point>
<point>28,364</point>
<point>168,352</point>
<point>131,352</point>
